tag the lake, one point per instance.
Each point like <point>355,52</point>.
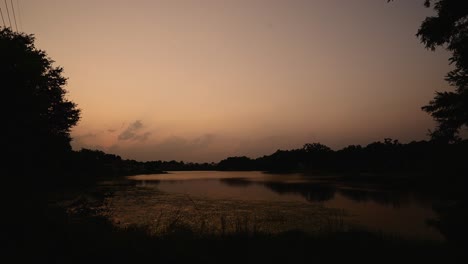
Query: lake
<point>223,202</point>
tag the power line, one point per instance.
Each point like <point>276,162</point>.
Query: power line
<point>8,12</point>
<point>19,15</point>
<point>1,13</point>
<point>14,16</point>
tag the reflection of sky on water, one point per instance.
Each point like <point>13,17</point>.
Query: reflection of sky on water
<point>283,196</point>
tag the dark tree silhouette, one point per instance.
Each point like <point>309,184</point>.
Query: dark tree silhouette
<point>36,122</point>
<point>37,115</point>
<point>449,28</point>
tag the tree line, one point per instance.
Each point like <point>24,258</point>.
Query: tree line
<point>377,157</point>
<point>96,163</point>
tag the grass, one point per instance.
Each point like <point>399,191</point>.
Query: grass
<point>81,237</point>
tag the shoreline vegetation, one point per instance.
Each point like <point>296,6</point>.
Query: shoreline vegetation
<point>74,235</point>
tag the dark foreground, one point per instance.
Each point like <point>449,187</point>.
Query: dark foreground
<point>39,231</point>
<point>52,235</point>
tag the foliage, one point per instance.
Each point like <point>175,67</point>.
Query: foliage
<point>39,117</point>
<point>449,28</point>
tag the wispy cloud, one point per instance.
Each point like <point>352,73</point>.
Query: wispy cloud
<point>133,132</point>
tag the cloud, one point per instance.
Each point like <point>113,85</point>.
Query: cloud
<point>132,132</point>
<point>142,137</point>
<point>134,141</point>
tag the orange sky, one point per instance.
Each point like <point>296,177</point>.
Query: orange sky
<point>203,80</point>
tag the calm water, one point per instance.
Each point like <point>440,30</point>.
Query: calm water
<point>210,201</point>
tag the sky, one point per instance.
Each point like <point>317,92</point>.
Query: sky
<point>202,80</point>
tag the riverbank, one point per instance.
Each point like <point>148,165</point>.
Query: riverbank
<point>80,238</point>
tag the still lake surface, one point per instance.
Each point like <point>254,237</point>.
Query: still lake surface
<point>214,201</point>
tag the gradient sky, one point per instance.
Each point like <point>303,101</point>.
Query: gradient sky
<point>203,80</point>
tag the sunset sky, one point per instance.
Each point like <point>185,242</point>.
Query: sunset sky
<point>203,80</point>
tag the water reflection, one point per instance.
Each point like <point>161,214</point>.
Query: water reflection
<point>236,182</point>
<point>312,192</point>
<point>322,192</point>
<point>451,220</point>
<point>389,198</point>
<point>291,200</point>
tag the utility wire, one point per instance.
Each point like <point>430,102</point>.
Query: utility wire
<point>1,13</point>
<point>8,12</point>
<point>14,16</point>
<point>19,15</point>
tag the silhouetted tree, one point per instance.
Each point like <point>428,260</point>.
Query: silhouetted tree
<point>39,117</point>
<point>316,147</point>
<point>449,28</point>
<point>36,122</point>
